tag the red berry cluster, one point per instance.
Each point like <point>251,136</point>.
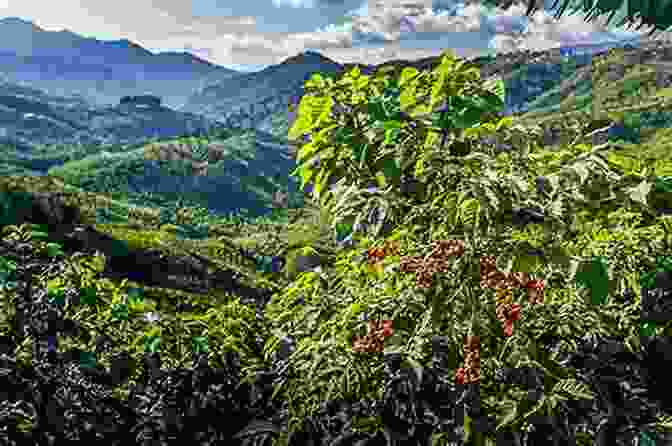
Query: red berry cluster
<point>375,255</point>
<point>471,372</point>
<point>507,311</point>
<point>426,268</point>
<point>374,341</point>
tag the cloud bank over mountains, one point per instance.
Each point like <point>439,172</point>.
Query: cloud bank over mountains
<point>250,35</point>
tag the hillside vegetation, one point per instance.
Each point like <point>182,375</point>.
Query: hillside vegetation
<point>114,193</point>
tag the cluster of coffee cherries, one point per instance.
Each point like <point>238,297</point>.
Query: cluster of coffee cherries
<point>375,255</point>
<point>471,372</point>
<point>437,261</point>
<point>504,284</point>
<point>374,341</point>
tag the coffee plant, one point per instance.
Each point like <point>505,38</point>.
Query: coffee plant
<point>476,297</point>
<point>474,193</point>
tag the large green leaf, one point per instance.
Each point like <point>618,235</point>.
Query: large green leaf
<point>593,274</point>
<point>301,126</point>
<point>307,150</point>
<point>199,344</point>
<point>376,110</point>
<point>342,135</point>
<point>467,118</point>
<point>408,74</point>
<point>392,136</point>
<point>306,173</point>
<point>664,184</point>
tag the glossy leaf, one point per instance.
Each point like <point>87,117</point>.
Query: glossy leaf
<point>664,184</point>
<point>54,249</point>
<point>152,344</point>
<point>88,295</point>
<point>647,329</point>
<point>342,136</point>
<point>199,344</point>
<point>376,111</point>
<point>135,296</point>
<point>343,230</point>
<point>407,75</point>
<point>594,275</point>
<point>119,312</point>
<point>87,360</point>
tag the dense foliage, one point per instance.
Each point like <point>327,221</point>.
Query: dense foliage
<point>436,264</point>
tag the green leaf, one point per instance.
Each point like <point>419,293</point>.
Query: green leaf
<point>376,112</point>
<point>306,151</point>
<point>647,329</point>
<point>647,280</point>
<point>343,135</point>
<point>135,296</point>
<point>664,264</point>
<point>320,182</point>
<point>407,74</point>
<point>664,184</point>
<point>87,360</point>
<point>343,230</point>
<point>199,344</point>
<point>57,300</point>
<point>437,87</point>
<point>505,122</point>
<point>152,343</point>
<point>467,118</point>
<point>391,136</point>
<point>301,126</point>
<point>392,125</point>
<point>88,295</point>
<point>119,312</point>
<point>469,211</point>
<point>390,168</point>
<point>594,275</point>
<point>38,235</point>
<point>380,180</point>
<point>54,249</point>
<point>306,173</point>
<point>355,309</point>
<point>361,151</point>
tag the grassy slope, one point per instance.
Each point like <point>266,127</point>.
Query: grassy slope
<point>556,103</point>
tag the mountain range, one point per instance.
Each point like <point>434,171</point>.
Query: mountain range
<point>64,63</point>
<point>67,104</point>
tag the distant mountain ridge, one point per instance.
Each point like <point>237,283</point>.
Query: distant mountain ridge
<point>249,100</point>
<point>64,63</point>
<point>65,105</point>
<point>31,118</point>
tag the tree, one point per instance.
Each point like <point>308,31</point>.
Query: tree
<point>651,13</point>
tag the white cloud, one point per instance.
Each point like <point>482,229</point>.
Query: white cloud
<point>294,3</point>
<point>241,40</point>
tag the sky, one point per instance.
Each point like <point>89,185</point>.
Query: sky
<point>249,35</point>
